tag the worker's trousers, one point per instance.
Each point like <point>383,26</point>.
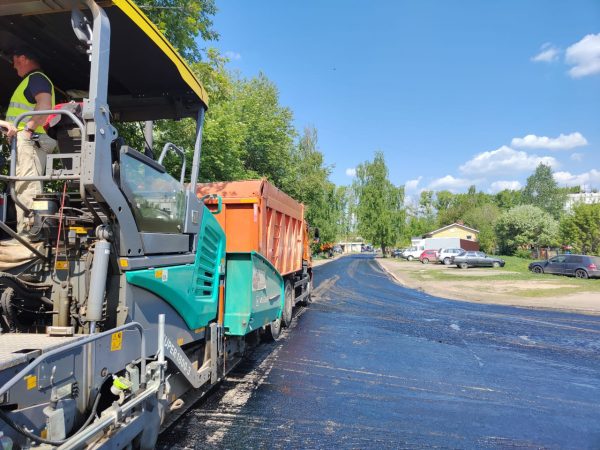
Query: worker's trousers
<point>31,161</point>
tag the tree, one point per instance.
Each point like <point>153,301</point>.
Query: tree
<point>347,204</point>
<point>307,180</point>
<point>426,208</point>
<point>542,191</point>
<point>507,198</point>
<point>525,226</point>
<point>182,22</point>
<point>484,218</point>
<point>380,211</point>
<point>581,229</point>
<point>270,132</point>
<point>459,205</point>
<point>443,201</point>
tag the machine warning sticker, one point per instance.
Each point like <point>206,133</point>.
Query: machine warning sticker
<point>79,230</point>
<point>116,341</point>
<point>163,274</point>
<point>61,265</point>
<point>31,381</point>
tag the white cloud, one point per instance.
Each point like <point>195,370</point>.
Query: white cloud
<point>233,56</point>
<point>505,160</point>
<point>411,185</point>
<point>351,172</point>
<point>587,178</point>
<point>577,156</point>
<point>450,183</point>
<point>498,186</point>
<point>584,56</point>
<point>548,53</point>
<point>562,142</point>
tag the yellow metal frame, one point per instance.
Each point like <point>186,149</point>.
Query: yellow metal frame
<point>145,24</point>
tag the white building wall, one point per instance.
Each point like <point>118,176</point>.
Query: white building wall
<point>583,197</point>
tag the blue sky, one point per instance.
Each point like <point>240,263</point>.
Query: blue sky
<point>453,93</point>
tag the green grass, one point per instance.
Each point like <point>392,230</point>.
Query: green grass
<point>516,269</point>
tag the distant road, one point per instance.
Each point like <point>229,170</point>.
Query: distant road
<point>373,365</point>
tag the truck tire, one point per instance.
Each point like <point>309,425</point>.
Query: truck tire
<point>288,305</point>
<point>410,258</point>
<point>273,330</point>
<point>308,299</point>
<point>447,261</point>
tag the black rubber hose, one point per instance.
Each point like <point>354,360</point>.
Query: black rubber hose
<point>24,288</point>
<point>24,284</point>
<point>34,437</point>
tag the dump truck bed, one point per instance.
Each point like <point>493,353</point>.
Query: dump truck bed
<point>256,216</point>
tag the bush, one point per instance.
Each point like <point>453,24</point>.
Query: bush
<point>525,226</point>
<point>522,253</point>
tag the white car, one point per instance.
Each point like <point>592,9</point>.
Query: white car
<point>445,255</point>
<point>412,253</point>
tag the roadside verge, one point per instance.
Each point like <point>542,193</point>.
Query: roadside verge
<point>468,285</point>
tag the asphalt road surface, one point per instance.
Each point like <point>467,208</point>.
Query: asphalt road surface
<point>370,364</point>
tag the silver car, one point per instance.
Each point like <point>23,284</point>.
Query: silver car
<point>476,259</point>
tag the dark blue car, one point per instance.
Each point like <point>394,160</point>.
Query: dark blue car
<point>580,266</point>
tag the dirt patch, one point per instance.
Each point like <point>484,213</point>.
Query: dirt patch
<point>500,292</point>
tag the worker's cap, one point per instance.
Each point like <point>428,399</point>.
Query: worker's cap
<point>26,51</point>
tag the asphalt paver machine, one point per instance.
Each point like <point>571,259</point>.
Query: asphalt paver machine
<point>113,310</point>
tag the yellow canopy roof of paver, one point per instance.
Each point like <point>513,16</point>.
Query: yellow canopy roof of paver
<point>148,79</point>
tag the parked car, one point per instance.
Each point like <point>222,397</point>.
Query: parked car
<point>397,253</point>
<point>412,253</point>
<point>476,259</point>
<point>580,266</point>
<point>445,255</point>
<point>428,256</point>
<point>337,249</point>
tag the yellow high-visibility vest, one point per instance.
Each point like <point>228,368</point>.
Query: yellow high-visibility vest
<point>19,104</point>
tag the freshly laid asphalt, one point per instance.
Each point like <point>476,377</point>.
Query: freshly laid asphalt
<point>370,364</point>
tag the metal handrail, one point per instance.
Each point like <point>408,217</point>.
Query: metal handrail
<point>177,150</point>
<point>90,338</point>
<point>113,416</point>
<point>13,154</point>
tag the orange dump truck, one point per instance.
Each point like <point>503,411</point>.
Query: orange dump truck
<point>258,217</point>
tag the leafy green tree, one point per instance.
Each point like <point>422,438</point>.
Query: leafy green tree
<point>542,191</point>
<point>415,227</point>
<point>307,180</point>
<point>347,204</point>
<point>182,22</point>
<point>443,201</point>
<point>484,218</point>
<point>380,210</point>
<point>525,226</point>
<point>581,229</point>
<point>459,205</point>
<point>507,199</point>
<point>270,132</point>
<point>426,206</point>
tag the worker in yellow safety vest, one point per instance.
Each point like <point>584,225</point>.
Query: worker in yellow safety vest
<point>35,92</point>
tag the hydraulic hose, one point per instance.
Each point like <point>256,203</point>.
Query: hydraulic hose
<point>25,288</point>
<point>34,437</point>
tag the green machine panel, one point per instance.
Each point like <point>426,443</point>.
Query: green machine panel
<point>192,290</point>
<point>253,293</point>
